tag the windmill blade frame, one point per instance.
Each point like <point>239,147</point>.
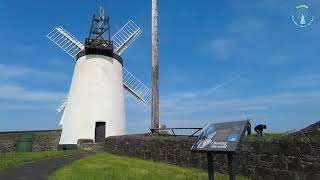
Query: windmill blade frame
<point>136,87</point>
<point>125,36</point>
<point>62,105</point>
<point>66,41</point>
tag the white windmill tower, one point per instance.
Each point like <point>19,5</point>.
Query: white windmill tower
<point>94,108</point>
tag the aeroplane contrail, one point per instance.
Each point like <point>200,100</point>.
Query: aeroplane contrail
<point>225,83</point>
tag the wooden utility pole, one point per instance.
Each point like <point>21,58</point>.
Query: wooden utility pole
<point>155,70</point>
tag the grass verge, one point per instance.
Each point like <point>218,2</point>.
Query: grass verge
<point>8,160</point>
<point>267,136</point>
<point>107,166</point>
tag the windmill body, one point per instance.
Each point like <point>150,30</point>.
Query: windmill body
<point>95,97</point>
<point>94,108</point>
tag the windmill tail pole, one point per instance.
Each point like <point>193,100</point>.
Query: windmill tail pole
<point>155,70</point>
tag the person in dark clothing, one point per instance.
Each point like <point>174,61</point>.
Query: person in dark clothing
<point>249,127</point>
<point>259,129</point>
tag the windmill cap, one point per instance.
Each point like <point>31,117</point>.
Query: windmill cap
<point>99,51</point>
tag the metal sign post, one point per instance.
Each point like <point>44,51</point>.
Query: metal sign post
<point>221,138</point>
<point>210,166</point>
<point>232,175</point>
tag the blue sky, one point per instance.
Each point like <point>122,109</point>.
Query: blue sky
<point>219,61</point>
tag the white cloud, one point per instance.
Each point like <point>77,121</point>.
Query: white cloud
<point>192,96</point>
<point>304,80</point>
<point>222,48</point>
<point>193,108</point>
<point>237,34</point>
<point>191,122</point>
<point>15,92</point>
<point>248,40</point>
<point>178,105</point>
<point>10,72</point>
<point>245,27</point>
<point>28,106</point>
<point>15,96</point>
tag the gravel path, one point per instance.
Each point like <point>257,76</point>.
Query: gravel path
<point>39,170</point>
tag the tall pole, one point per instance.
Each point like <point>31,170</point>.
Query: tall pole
<point>155,70</point>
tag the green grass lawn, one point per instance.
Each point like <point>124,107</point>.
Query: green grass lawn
<point>8,160</point>
<point>266,136</point>
<point>106,166</point>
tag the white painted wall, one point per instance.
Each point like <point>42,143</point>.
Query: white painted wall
<point>96,95</point>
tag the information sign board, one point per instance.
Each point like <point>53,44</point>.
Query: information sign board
<point>220,137</point>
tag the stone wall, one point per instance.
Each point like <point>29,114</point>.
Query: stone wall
<point>8,141</point>
<point>45,140</point>
<point>296,156</point>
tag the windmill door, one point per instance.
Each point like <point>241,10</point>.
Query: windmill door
<point>100,132</point>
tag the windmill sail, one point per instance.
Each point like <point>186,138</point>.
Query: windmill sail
<point>65,41</point>
<point>125,36</point>
<point>62,105</point>
<point>136,87</point>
